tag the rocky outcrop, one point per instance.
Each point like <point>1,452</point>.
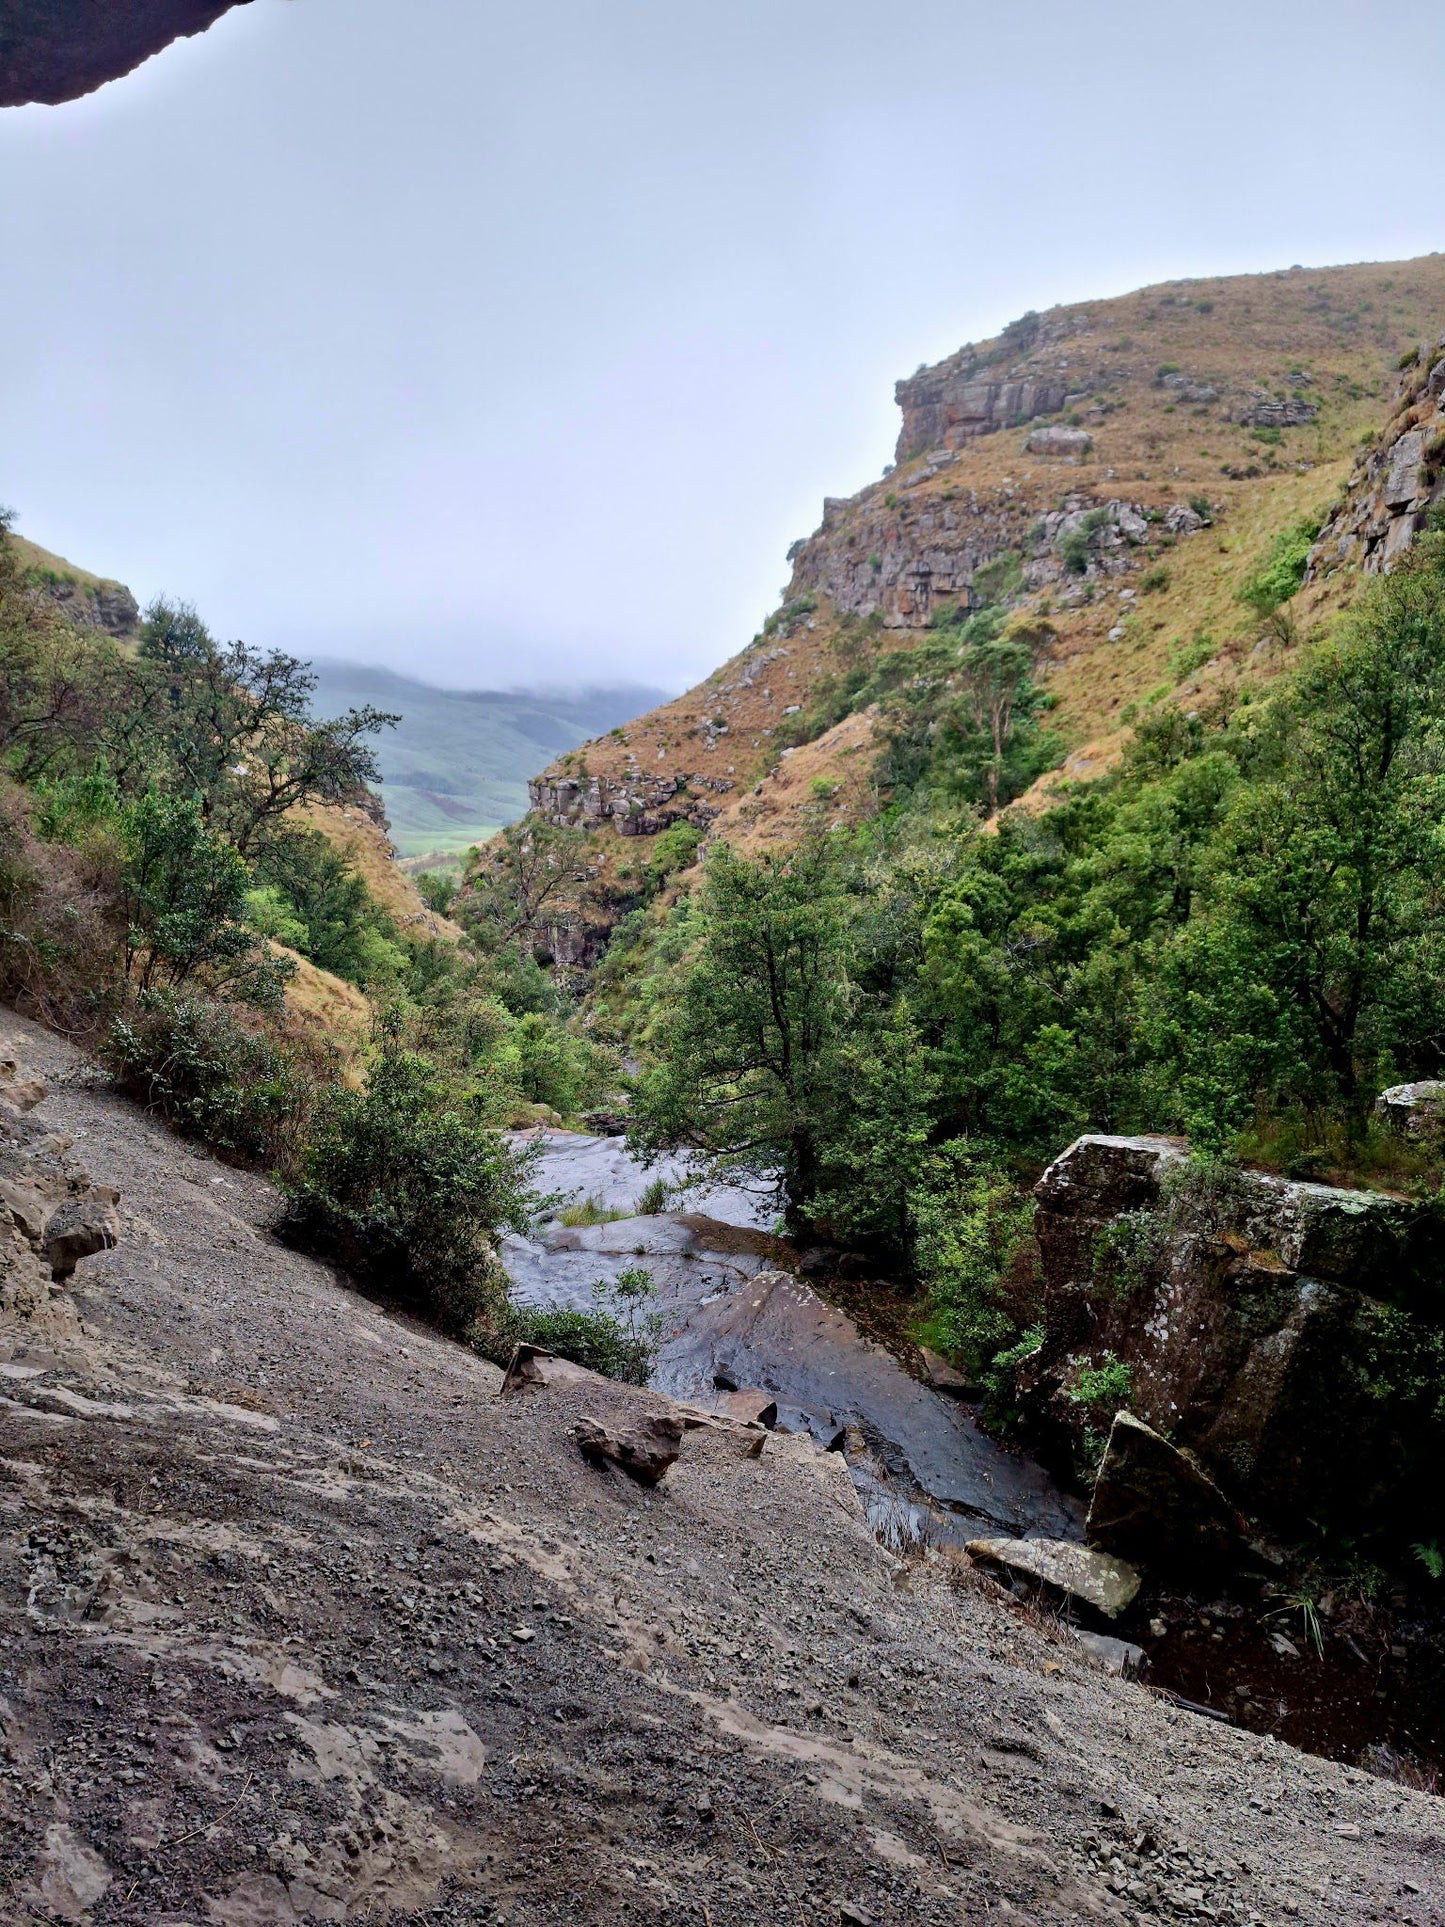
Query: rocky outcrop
<point>91,603</point>
<point>1289,1335</point>
<point>1413,1110</point>
<point>1395,482</point>
<point>947,406</point>
<point>635,806</point>
<point>904,559</point>
<point>55,50</point>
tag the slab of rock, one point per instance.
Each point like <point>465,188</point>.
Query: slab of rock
<point>944,1377</point>
<point>645,1451</point>
<point>532,1368</point>
<point>1157,1504</point>
<point>1096,1578</point>
<point>1069,443</point>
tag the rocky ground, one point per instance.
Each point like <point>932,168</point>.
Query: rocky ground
<point>301,1620</point>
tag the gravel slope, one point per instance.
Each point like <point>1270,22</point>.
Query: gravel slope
<point>300,1620</point>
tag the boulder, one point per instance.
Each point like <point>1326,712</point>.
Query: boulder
<point>944,1377</point>
<point>532,1368</point>
<point>1060,442</point>
<point>1412,1110</point>
<point>1157,1504</point>
<point>19,1091</point>
<point>1096,1578</point>
<point>645,1451</point>
<point>750,1407</point>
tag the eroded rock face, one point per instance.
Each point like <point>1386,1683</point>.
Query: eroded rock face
<point>1395,482</point>
<point>1291,1335</point>
<point>55,50</point>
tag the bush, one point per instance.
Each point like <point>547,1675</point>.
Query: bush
<point>972,1237</point>
<point>212,1076</point>
<point>1283,569</point>
<point>593,1339</point>
<point>406,1187</point>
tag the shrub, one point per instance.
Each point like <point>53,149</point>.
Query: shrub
<point>972,1230</point>
<point>1154,580</point>
<point>1074,552</point>
<point>1283,569</point>
<point>214,1076</point>
<point>405,1186</point>
<point>620,1342</point>
<point>593,1339</point>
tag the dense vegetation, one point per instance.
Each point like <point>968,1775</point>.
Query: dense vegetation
<point>1239,935</point>
<point>158,887</point>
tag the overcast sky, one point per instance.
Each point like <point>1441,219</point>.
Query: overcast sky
<point>514,343</point>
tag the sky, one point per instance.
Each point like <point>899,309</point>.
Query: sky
<point>512,345</point>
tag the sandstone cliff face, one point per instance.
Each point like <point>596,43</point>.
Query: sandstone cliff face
<point>1395,482</point>
<point>56,50</point>
<point>1287,1333</point>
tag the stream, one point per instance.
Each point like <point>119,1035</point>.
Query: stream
<point>733,1317</point>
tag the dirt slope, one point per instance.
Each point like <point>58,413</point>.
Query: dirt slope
<point>300,1621</point>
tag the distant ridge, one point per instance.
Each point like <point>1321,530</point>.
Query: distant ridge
<point>456,767</point>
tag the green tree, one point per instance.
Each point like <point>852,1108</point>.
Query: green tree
<point>183,894</point>
<point>747,1051</point>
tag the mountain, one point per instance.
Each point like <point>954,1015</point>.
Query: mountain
<point>1115,469</point>
<point>455,768</point>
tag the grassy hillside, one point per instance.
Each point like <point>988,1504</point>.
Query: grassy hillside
<point>1180,389</point>
<point>456,767</point>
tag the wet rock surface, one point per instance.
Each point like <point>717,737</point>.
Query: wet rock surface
<point>299,1620</point>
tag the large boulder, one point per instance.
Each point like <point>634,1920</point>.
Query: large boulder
<point>1290,1335</point>
<point>1413,1110</point>
<point>1060,442</point>
<point>1155,1503</point>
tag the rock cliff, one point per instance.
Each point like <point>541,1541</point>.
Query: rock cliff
<point>1116,468</point>
<point>1396,481</point>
